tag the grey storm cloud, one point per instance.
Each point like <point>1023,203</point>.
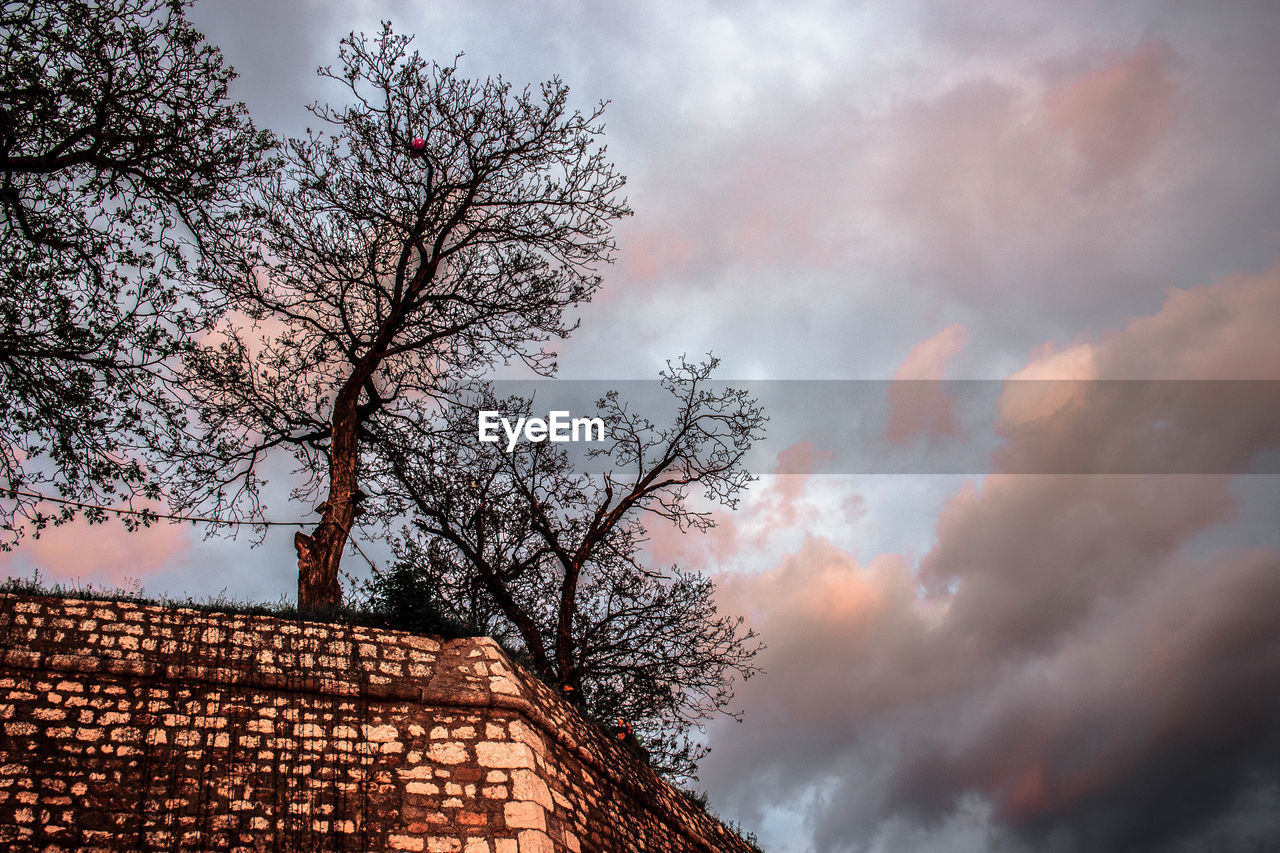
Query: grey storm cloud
<point>1062,656</point>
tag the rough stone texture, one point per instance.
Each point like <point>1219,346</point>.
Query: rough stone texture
<point>133,727</point>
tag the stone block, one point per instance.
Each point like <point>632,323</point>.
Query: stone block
<point>444,845</point>
<point>501,755</point>
<point>526,785</point>
<point>522,815</point>
<point>535,841</point>
<point>447,753</point>
<point>380,734</point>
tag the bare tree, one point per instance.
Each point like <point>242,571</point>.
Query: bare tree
<point>442,225</point>
<point>549,559</point>
<point>118,147</point>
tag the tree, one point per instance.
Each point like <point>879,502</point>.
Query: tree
<point>443,225</point>
<point>118,148</point>
<point>549,559</point>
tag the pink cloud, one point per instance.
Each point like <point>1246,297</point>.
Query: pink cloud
<point>1189,419</point>
<point>668,545</point>
<point>800,459</point>
<point>929,358</point>
<point>1086,529</point>
<point>918,405</point>
<point>998,180</point>
<point>1115,115</point>
<point>1061,649</point>
<point>824,612</point>
<point>1222,331</point>
<point>795,466</point>
<point>99,553</point>
<point>778,507</point>
<point>647,253</point>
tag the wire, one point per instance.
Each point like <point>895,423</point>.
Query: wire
<point>352,539</point>
<point>149,514</point>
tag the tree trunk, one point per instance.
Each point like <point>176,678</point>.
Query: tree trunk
<point>320,554</point>
<point>566,662</point>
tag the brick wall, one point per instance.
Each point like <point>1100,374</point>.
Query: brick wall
<point>135,727</point>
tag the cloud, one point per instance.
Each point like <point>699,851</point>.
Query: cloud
<point>1205,401</point>
<point>917,404</point>
<point>1224,331</point>
<point>1067,170</point>
<point>966,187</point>
<point>1118,113</point>
<point>781,503</point>
<point>1063,665</point>
<point>929,358</point>
<point>115,557</point>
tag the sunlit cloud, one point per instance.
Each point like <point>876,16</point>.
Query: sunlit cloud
<point>1058,653</point>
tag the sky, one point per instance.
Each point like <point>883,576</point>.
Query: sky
<point>988,660</point>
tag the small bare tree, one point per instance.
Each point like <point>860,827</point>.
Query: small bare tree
<point>443,225</point>
<point>119,147</point>
<point>550,559</point>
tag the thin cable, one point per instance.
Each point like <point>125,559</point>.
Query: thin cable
<point>191,518</point>
<point>352,539</point>
<point>156,515</point>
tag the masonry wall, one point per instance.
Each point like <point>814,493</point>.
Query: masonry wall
<point>132,727</point>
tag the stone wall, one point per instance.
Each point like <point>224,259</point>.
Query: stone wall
<point>136,727</point>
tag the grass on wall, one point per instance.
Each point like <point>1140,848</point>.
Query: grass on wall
<point>423,620</point>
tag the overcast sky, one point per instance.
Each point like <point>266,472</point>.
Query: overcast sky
<point>828,190</point>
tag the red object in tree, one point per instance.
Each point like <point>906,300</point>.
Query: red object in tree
<point>623,729</point>
<point>417,147</point>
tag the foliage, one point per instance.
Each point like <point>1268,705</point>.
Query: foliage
<point>413,601</point>
<point>371,275</point>
<point>118,148</point>
<point>701,801</point>
<point>549,559</point>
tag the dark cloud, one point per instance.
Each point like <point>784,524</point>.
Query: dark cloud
<point>1060,658</point>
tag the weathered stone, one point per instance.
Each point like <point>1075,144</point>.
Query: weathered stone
<point>447,753</point>
<point>504,755</point>
<point>380,733</point>
<point>277,735</point>
<point>501,684</point>
<point>422,788</point>
<point>520,815</point>
<point>535,841</point>
<point>443,845</point>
